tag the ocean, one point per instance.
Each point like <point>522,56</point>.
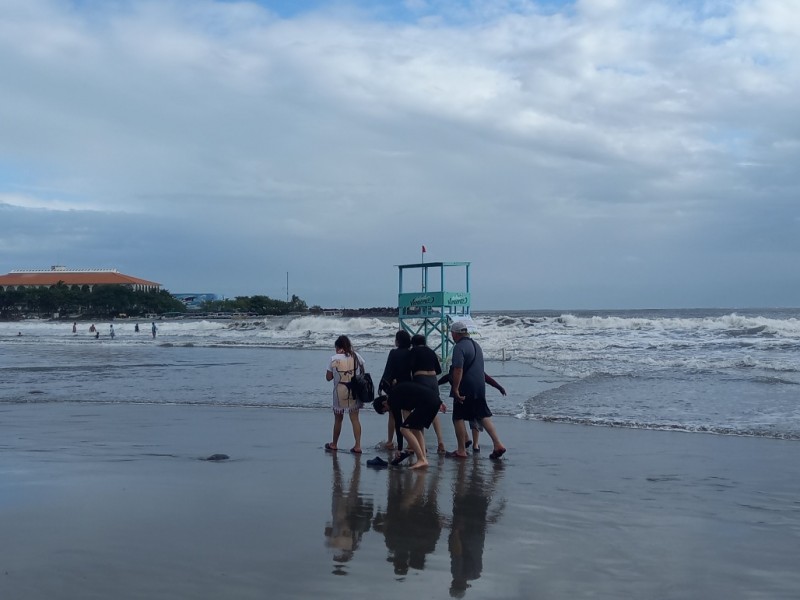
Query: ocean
<point>702,371</point>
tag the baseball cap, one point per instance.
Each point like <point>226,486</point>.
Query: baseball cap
<point>459,327</point>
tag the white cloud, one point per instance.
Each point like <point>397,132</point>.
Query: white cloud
<point>632,128</point>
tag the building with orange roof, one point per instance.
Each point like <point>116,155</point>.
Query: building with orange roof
<point>84,279</point>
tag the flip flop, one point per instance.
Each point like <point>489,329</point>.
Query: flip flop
<point>354,451</point>
<point>454,454</point>
<point>467,444</point>
<point>497,453</point>
<point>377,462</point>
<point>402,456</point>
<point>330,447</point>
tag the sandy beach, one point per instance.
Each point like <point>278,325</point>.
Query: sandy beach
<point>114,501</point>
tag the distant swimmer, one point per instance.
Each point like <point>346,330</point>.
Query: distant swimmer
<point>97,335</point>
<point>74,328</point>
<point>154,329</point>
<point>136,328</point>
<point>92,329</point>
<point>112,332</point>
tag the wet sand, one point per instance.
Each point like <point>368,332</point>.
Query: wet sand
<point>114,501</point>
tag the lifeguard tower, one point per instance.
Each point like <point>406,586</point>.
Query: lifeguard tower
<point>430,310</point>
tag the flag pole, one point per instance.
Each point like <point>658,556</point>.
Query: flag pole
<point>422,261</point>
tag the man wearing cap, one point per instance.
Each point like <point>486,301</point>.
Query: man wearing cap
<point>468,390</point>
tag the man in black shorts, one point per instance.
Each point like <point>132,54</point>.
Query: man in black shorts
<point>469,391</point>
<point>414,407</point>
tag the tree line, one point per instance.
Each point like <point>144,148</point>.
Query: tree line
<point>102,301</point>
<point>260,305</point>
<point>107,301</point>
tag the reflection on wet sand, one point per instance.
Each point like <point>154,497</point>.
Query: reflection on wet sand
<point>412,523</point>
<point>351,514</point>
<point>472,497</point>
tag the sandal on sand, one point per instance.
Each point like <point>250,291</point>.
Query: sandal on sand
<point>467,444</point>
<point>441,449</point>
<point>497,453</point>
<point>330,447</point>
<point>401,457</point>
<point>454,454</point>
<point>476,449</point>
<point>354,451</point>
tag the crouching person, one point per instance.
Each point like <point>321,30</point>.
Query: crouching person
<point>414,407</point>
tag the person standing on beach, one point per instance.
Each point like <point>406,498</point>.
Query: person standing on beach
<point>415,406</point>
<point>112,332</point>
<point>341,370</point>
<point>397,370</point>
<point>468,390</point>
<point>474,426</point>
<point>425,366</point>
<point>74,328</point>
<point>153,329</point>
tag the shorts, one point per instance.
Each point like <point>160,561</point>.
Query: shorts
<point>471,409</point>
<point>423,401</point>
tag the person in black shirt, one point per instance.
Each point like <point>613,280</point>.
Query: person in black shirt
<point>425,367</point>
<point>397,370</point>
<point>414,407</point>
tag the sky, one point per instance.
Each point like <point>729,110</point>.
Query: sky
<point>587,154</point>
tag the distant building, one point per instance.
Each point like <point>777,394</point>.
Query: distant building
<point>19,279</point>
<point>195,301</point>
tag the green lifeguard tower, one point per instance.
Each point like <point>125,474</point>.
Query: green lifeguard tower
<point>430,310</point>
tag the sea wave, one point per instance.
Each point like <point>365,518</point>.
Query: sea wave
<point>745,431</point>
<point>570,344</point>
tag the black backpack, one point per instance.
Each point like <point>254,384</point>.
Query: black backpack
<point>361,386</point>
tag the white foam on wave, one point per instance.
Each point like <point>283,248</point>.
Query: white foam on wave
<point>572,345</point>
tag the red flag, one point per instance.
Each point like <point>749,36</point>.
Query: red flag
<point>423,249</point>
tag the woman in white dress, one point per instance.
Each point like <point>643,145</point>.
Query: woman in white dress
<point>341,370</point>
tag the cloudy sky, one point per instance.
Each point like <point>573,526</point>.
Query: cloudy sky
<point>586,154</point>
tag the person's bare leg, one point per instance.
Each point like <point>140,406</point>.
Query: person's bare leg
<point>461,436</point>
<point>421,440</point>
<point>356,429</point>
<point>489,427</point>
<point>437,429</point>
<point>475,435</point>
<point>389,445</point>
<point>413,443</point>
<point>337,429</point>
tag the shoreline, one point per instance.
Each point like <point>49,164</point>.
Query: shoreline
<point>113,500</point>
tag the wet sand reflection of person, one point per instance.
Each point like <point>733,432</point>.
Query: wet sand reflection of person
<point>472,496</point>
<point>412,523</point>
<point>351,515</point>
